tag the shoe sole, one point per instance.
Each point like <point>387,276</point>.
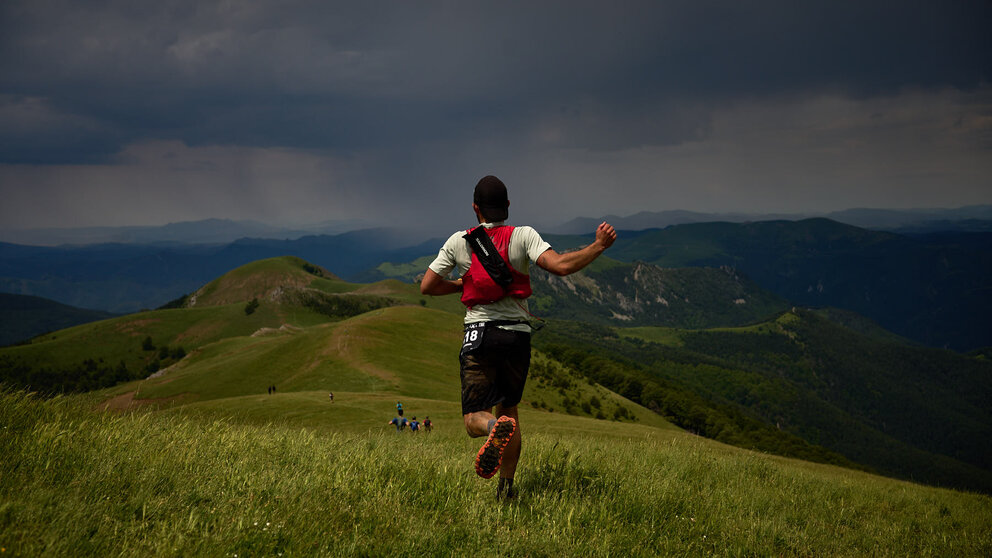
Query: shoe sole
<point>490,457</point>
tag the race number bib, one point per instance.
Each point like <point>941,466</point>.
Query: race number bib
<point>473,336</point>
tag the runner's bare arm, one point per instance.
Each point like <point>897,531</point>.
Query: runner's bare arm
<point>570,262</point>
<point>434,284</point>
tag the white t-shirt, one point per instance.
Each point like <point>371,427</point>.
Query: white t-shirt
<point>526,245</point>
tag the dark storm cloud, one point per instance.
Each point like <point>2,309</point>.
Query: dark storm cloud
<point>306,109</point>
<point>316,75</point>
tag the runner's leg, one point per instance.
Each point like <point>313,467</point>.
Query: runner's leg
<point>512,452</point>
<point>479,423</point>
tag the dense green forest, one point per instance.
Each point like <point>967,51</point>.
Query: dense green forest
<point>905,410</point>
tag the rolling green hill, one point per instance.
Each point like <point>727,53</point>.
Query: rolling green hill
<point>289,292</point>
<point>309,331</point>
<point>407,352</point>
<point>287,323</point>
<point>908,411</point>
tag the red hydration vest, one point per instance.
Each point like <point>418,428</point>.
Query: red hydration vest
<point>479,288</point>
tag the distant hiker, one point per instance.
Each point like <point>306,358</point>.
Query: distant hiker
<point>270,390</point>
<point>396,422</point>
<point>332,397</point>
<point>414,426</point>
<point>399,408</point>
<point>427,424</point>
<point>492,260</point>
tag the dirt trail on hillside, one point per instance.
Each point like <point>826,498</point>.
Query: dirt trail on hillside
<point>347,344</point>
<point>119,403</point>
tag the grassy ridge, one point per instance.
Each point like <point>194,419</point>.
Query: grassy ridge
<point>289,292</point>
<point>909,411</point>
<point>86,484</point>
<point>359,354</point>
<point>404,352</point>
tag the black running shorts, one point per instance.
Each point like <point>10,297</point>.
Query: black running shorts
<point>495,372</point>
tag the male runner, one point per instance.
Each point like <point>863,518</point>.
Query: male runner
<point>495,354</point>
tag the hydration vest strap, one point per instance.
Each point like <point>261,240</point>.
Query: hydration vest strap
<point>489,257</point>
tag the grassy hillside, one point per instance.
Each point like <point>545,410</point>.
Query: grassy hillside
<point>79,483</point>
<point>910,411</point>
<point>287,323</point>
<point>773,386</point>
<point>206,462</point>
<point>405,271</point>
<point>407,351</point>
<point>287,292</point>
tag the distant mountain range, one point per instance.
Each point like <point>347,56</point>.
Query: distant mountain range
<point>23,317</point>
<point>976,218</point>
<point>207,231</point>
<point>932,288</point>
<point>128,277</point>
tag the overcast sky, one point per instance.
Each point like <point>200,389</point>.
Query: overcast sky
<point>120,112</point>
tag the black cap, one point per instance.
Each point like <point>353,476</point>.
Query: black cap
<point>490,196</point>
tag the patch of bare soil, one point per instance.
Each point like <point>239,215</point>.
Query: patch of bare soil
<point>284,328</point>
<point>135,327</point>
<point>348,345</point>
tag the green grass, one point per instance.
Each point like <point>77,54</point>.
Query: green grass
<point>668,336</point>
<point>209,464</point>
<point>405,270</point>
<point>289,294</point>
<point>121,339</point>
<point>405,349</point>
<point>79,483</point>
<point>262,276</point>
<point>674,337</point>
<point>399,352</point>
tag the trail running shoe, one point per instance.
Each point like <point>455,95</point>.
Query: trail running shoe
<point>488,460</point>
